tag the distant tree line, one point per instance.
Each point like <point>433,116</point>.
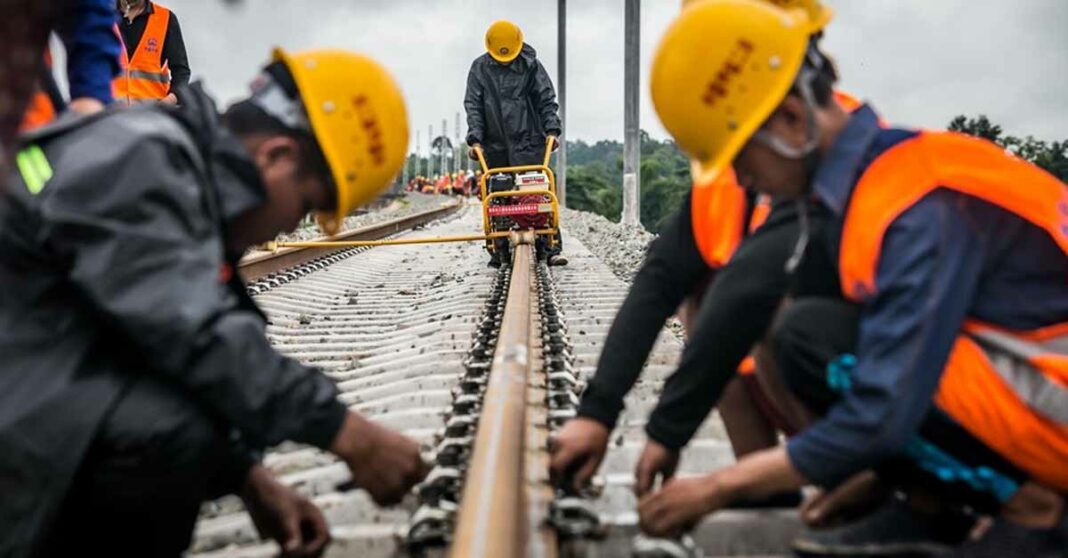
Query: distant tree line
<point>595,178</point>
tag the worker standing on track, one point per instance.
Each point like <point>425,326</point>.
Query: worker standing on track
<point>718,218</point>
<point>512,110</point>
<point>137,380</point>
<point>87,30</point>
<point>155,63</point>
<point>941,361</point>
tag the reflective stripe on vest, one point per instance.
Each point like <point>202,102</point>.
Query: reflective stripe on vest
<point>1012,395</point>
<point>907,172</point>
<point>145,76</point>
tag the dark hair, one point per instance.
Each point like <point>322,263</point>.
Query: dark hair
<point>826,74</point>
<point>245,118</point>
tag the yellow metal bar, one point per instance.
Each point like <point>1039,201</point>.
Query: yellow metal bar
<point>481,159</point>
<point>271,246</point>
<point>548,150</point>
<point>492,519</point>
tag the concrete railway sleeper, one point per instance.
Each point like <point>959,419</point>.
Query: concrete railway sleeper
<point>414,336</point>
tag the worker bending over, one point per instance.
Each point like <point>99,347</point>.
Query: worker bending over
<point>512,112</point>
<point>137,380</point>
<point>945,353</point>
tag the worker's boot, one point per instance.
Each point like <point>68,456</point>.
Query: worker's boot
<point>557,260</point>
<point>893,530</point>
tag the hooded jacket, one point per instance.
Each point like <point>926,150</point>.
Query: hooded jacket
<point>112,266</point>
<point>511,108</point>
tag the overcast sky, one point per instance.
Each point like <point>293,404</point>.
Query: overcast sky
<point>919,61</point>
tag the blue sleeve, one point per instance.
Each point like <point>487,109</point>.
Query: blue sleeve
<point>925,282</point>
<point>92,47</point>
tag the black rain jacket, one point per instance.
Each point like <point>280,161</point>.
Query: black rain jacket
<point>116,269</point>
<point>511,108</point>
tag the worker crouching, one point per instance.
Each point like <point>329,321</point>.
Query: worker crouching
<point>137,381</point>
<point>941,365</point>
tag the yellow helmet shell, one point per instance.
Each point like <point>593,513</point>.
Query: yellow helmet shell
<point>504,41</point>
<point>358,115</point>
<point>819,14</point>
<point>720,70</point>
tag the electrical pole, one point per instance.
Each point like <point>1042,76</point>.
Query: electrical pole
<point>561,82</point>
<point>430,152</point>
<point>631,134</point>
<point>418,148</point>
<point>456,146</point>
<point>408,161</point>
<point>444,144</point>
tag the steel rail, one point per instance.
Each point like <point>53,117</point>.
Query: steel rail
<point>493,517</point>
<point>258,266</point>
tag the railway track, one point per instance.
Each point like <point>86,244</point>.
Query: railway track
<point>478,365</point>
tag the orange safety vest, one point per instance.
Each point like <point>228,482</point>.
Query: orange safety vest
<point>1009,389</point>
<point>145,77</point>
<point>41,110</point>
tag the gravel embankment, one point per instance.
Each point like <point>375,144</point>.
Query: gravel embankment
<point>410,204</point>
<point>622,248</point>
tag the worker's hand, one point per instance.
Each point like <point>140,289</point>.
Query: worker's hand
<point>281,514</point>
<point>853,498</point>
<point>556,143</point>
<point>472,152</point>
<point>576,453</point>
<point>384,463</point>
<point>679,505</point>
<point>170,99</point>
<point>85,105</point>
<point>656,460</point>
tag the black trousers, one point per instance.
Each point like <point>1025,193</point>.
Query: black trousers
<point>813,332</point>
<point>156,458</point>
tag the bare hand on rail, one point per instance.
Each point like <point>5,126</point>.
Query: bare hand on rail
<point>472,152</point>
<point>384,463</point>
<point>556,143</point>
<point>577,451</point>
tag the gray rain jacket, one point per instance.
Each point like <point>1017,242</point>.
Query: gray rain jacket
<point>114,267</point>
<point>511,108</point>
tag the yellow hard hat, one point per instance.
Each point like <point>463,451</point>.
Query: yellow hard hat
<point>819,14</point>
<point>720,70</point>
<point>504,41</point>
<point>358,116</point>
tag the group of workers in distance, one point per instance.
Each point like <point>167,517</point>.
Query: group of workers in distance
<point>903,295</point>
<point>460,183</point>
